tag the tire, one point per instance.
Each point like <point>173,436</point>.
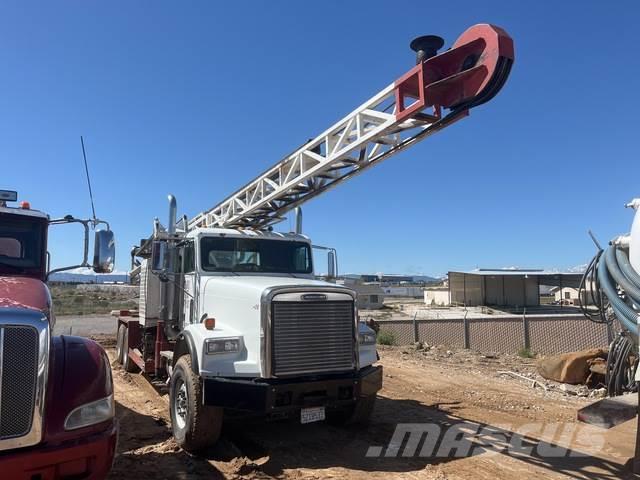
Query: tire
<point>358,414</point>
<point>127,363</point>
<point>120,344</point>
<point>195,426</point>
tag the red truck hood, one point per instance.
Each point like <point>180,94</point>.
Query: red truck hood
<point>24,292</point>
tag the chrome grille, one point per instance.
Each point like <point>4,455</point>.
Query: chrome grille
<point>24,358</point>
<point>19,350</point>
<point>312,336</point>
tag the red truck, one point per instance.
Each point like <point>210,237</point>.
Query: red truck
<point>57,411</point>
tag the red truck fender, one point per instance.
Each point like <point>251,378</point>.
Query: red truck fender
<point>79,373</point>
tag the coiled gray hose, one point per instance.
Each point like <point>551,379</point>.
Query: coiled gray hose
<point>611,276</point>
<point>625,266</point>
<point>616,285</point>
<point>632,291</point>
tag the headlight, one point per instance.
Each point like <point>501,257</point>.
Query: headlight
<point>222,345</point>
<point>367,338</point>
<point>90,414</point>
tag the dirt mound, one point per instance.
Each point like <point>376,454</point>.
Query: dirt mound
<point>573,368</point>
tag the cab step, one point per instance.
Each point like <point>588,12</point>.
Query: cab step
<point>168,356</point>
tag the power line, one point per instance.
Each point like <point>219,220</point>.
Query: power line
<point>86,169</point>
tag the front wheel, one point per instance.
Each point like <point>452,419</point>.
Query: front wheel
<point>195,426</point>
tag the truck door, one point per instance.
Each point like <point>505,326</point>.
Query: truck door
<point>188,309</point>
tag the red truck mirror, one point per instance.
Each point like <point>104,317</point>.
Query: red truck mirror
<point>104,251</point>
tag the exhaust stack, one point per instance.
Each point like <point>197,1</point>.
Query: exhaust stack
<point>298,211</point>
<point>173,214</point>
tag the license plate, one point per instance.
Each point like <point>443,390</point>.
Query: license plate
<point>309,415</point>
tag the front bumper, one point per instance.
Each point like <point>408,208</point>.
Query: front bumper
<point>88,458</point>
<point>273,396</point>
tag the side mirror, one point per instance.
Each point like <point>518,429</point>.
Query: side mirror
<point>331,267</point>
<point>104,251</point>
<point>159,257</point>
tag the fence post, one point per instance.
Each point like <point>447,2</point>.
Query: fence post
<point>416,334</point>
<point>467,336</point>
<point>525,329</point>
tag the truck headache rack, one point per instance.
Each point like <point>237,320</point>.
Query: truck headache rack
<point>470,73</point>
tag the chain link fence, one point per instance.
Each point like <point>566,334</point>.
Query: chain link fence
<point>542,334</point>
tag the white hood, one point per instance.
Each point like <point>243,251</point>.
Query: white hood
<point>235,303</point>
<point>253,285</point>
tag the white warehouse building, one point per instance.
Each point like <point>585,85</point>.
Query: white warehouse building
<point>509,287</point>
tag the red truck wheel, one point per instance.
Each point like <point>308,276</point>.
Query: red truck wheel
<point>128,364</point>
<point>120,348</point>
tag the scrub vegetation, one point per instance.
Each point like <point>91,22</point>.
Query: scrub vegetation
<point>385,337</point>
<point>70,299</point>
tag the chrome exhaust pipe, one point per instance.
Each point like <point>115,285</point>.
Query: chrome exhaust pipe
<point>173,214</point>
<point>298,211</point>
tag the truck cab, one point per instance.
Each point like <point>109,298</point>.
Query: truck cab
<point>236,279</point>
<point>237,323</point>
<point>56,392</point>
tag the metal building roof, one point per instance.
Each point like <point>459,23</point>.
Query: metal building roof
<point>518,272</point>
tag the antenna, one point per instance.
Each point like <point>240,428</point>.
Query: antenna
<point>86,169</point>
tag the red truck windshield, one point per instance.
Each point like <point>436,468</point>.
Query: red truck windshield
<point>223,254</point>
<point>21,244</point>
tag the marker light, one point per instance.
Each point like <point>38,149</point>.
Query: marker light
<point>209,323</point>
<point>25,205</point>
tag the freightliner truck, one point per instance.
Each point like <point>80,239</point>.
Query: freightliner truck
<point>56,392</point>
<point>231,314</point>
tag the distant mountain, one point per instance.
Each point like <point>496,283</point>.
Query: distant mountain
<point>86,275</point>
<point>425,278</point>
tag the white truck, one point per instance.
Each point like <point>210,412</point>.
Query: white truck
<point>231,314</point>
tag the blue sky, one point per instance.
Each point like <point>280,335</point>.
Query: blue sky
<point>196,98</point>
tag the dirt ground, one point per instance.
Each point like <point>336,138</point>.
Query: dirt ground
<point>435,386</point>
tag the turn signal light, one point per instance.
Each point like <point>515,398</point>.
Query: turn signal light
<point>210,323</point>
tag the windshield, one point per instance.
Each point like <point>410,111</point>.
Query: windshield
<point>223,254</point>
<point>21,244</point>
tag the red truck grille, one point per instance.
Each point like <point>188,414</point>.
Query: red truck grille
<point>18,378</point>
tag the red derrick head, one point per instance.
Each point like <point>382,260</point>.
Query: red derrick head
<point>470,73</point>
